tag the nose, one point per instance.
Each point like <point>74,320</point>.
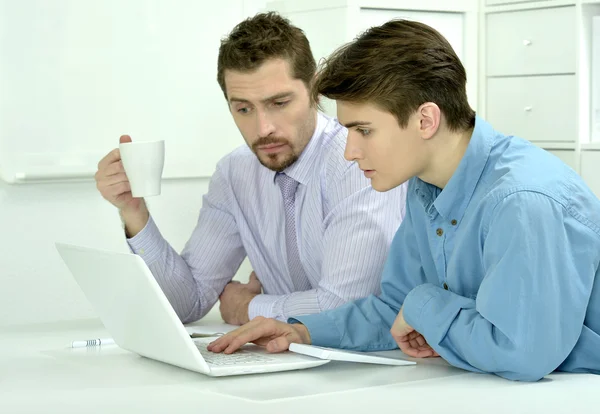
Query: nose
<point>352,151</point>
<point>265,125</point>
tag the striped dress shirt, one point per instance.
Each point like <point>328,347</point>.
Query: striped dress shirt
<point>343,227</point>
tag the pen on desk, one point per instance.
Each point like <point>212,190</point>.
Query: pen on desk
<point>92,342</point>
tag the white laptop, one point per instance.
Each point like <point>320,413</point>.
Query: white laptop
<point>140,319</point>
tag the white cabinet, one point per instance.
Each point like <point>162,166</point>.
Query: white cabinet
<point>590,169</point>
<point>531,42</point>
<point>536,80</point>
<point>567,156</point>
<point>537,108</point>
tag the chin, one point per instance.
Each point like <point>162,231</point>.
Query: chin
<point>382,187</point>
<point>278,164</point>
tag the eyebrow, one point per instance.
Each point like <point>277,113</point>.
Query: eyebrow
<point>270,98</point>
<point>356,123</point>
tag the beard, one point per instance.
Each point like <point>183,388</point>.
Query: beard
<point>279,162</point>
<point>274,162</point>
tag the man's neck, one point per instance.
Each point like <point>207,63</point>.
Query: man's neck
<point>447,150</point>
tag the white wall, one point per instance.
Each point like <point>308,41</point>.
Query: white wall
<point>35,285</point>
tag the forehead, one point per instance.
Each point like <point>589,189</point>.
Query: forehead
<point>363,113</point>
<point>353,111</point>
<point>271,78</point>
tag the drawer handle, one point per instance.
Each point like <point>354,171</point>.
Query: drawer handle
<point>528,108</point>
<point>526,42</point>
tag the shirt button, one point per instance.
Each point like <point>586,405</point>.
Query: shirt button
<point>454,222</point>
<point>446,286</point>
<point>439,232</point>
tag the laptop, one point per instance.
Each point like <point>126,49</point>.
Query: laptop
<point>140,319</point>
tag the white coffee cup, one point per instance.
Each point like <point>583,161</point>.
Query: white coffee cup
<point>143,163</point>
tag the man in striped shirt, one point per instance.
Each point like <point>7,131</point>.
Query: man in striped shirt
<point>314,230</point>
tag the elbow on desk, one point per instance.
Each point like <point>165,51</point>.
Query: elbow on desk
<point>529,366</point>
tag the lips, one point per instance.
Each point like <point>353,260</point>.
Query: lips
<point>368,173</point>
<point>263,147</point>
<point>271,148</point>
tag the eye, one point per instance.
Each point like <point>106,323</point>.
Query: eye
<point>363,131</point>
<point>280,104</point>
<point>243,110</point>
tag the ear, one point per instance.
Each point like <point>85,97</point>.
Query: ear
<point>430,117</point>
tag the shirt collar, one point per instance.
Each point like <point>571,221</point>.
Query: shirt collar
<point>303,167</point>
<point>452,201</point>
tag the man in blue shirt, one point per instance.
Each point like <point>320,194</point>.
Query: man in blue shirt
<point>496,265</point>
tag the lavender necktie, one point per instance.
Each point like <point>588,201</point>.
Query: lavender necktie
<point>288,188</point>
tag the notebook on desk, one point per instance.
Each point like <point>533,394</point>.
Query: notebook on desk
<point>140,318</point>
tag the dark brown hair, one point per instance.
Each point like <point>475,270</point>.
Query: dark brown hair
<point>399,66</point>
<point>263,37</point>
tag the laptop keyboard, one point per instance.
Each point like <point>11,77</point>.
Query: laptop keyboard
<point>239,357</point>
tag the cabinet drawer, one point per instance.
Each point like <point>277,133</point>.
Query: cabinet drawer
<point>536,108</point>
<point>531,42</point>
<point>590,170</point>
<point>567,156</point>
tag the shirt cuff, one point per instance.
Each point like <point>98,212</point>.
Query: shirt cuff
<point>262,305</point>
<point>322,330</point>
<point>415,303</point>
<point>147,243</point>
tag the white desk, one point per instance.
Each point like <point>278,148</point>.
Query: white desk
<point>39,372</point>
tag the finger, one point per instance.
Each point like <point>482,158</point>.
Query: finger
<point>124,138</point>
<point>421,341</point>
<point>114,155</point>
<point>408,350</point>
<point>262,329</point>
<point>279,344</point>
<point>118,189</point>
<point>112,169</point>
<point>223,342</point>
<point>107,185</point>
<point>114,179</point>
<point>254,284</point>
<point>414,344</point>
<point>403,343</point>
<point>424,353</point>
<point>413,335</point>
<point>430,349</point>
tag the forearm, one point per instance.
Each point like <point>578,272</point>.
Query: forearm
<point>362,325</point>
<point>281,307</point>
<point>172,274</point>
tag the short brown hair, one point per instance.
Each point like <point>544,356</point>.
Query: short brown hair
<point>399,66</point>
<point>263,37</point>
